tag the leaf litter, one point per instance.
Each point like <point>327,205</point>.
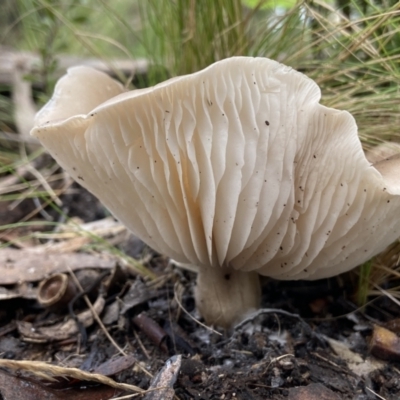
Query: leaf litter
<point>308,342</point>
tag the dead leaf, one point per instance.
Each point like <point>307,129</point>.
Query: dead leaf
<point>111,313</point>
<point>161,387</point>
<point>25,265</point>
<point>137,294</point>
<point>24,290</point>
<point>115,366</point>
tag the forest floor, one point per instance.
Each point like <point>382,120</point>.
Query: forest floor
<point>309,341</point>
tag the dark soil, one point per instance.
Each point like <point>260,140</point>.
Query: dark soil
<point>283,353</point>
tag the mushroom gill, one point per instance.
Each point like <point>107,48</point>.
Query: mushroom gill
<point>236,169</point>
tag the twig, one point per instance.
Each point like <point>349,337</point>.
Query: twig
<point>273,360</point>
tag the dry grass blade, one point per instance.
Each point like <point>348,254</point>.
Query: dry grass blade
<point>96,315</point>
<point>375,394</point>
<point>50,372</point>
<point>189,315</point>
<point>384,272</point>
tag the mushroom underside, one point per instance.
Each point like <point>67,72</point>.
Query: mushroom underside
<point>235,165</point>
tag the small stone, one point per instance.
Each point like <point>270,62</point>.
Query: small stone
<point>385,344</point>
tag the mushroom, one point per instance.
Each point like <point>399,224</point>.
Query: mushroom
<point>236,169</point>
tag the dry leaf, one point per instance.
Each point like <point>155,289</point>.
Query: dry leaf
<point>25,265</point>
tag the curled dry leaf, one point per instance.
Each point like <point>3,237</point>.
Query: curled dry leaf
<point>56,291</point>
<point>236,169</point>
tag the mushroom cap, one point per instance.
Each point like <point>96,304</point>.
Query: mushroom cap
<point>237,165</point>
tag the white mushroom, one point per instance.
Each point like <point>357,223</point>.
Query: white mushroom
<point>236,169</point>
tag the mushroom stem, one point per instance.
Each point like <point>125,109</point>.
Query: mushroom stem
<point>225,296</point>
